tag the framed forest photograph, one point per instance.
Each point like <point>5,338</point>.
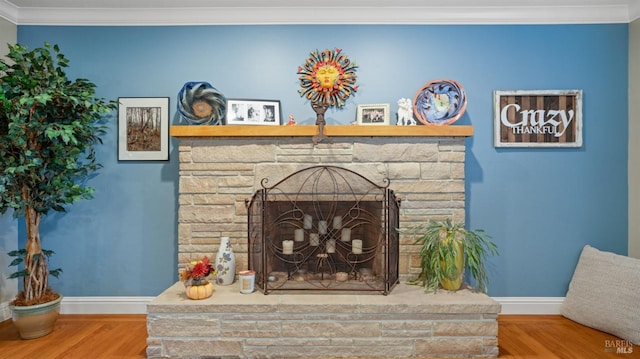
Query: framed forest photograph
<point>143,129</point>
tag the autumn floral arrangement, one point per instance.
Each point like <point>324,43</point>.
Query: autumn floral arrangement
<point>197,272</point>
<point>195,277</point>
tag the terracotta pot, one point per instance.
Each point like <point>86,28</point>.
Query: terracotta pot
<point>35,321</point>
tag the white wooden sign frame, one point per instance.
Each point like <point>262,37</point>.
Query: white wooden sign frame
<point>538,118</point>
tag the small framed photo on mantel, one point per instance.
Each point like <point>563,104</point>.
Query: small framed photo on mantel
<point>373,114</point>
<point>143,129</point>
<point>253,112</point>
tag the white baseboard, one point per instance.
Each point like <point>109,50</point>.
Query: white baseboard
<point>530,305</point>
<point>5,312</point>
<point>138,305</point>
<point>104,305</point>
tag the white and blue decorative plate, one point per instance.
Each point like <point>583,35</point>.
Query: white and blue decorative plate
<point>199,103</point>
<point>440,102</point>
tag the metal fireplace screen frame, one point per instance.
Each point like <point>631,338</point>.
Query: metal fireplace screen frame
<point>324,228</point>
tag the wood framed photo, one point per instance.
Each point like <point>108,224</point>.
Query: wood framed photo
<point>539,118</point>
<point>143,129</point>
<point>373,114</point>
<point>253,112</point>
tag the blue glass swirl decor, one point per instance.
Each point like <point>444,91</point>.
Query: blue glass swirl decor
<point>199,103</point>
<point>440,102</point>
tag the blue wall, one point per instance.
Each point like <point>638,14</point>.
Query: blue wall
<point>541,205</point>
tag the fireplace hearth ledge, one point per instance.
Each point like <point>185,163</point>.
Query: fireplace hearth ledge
<point>407,323</point>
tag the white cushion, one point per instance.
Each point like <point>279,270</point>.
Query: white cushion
<point>604,294</point>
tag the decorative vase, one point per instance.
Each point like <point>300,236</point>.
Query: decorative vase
<point>199,289</point>
<point>35,321</point>
<point>225,263</point>
<point>453,280</point>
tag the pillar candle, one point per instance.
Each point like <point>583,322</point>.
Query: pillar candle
<point>331,246</point>
<point>356,246</point>
<point>314,240</point>
<point>337,222</point>
<point>298,235</point>
<point>346,235</point>
<point>287,247</point>
<point>307,221</point>
<point>322,227</point>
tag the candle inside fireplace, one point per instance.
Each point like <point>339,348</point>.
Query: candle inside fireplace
<point>322,227</point>
<point>307,221</point>
<point>346,235</point>
<point>314,240</point>
<point>287,247</point>
<point>298,235</point>
<point>337,222</point>
<point>356,246</point>
<point>331,246</point>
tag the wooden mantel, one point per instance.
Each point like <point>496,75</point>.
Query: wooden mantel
<point>330,131</point>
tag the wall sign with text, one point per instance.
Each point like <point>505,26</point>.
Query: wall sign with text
<point>538,118</point>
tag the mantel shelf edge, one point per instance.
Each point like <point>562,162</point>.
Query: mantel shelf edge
<point>311,130</point>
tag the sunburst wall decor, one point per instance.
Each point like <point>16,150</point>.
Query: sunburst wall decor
<point>328,77</point>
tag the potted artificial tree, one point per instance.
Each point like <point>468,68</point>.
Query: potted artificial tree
<point>447,251</point>
<point>48,128</point>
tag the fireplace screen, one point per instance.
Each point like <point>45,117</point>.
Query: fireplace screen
<point>324,228</point>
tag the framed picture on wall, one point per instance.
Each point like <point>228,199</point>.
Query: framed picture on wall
<point>538,118</point>
<point>373,114</point>
<point>253,112</point>
<point>143,128</point>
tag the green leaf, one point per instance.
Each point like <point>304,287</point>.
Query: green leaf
<point>15,262</point>
<point>22,273</point>
<point>55,272</point>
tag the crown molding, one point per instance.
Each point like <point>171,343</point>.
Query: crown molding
<point>634,11</point>
<point>334,14</point>
<point>8,12</point>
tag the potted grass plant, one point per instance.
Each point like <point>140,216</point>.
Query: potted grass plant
<point>448,251</point>
<point>49,125</point>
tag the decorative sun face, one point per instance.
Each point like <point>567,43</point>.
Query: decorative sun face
<point>327,77</point>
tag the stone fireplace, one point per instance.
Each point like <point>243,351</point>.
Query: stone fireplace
<point>222,167</point>
<point>221,170</point>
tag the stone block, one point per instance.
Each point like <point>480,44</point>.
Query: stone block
<point>395,152</point>
<point>206,213</point>
<point>451,157</point>
<point>289,351</point>
<point>404,170</point>
<point>435,186</point>
<point>435,170</point>
<point>463,347</point>
<point>203,184</point>
<point>474,328</point>
<point>237,152</point>
<point>213,198</point>
<point>235,181</point>
<point>154,352</point>
<point>457,170</point>
<point>330,330</point>
<point>187,348</point>
<point>184,158</point>
<point>189,326</point>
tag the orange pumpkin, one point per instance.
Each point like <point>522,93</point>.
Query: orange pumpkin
<point>200,291</point>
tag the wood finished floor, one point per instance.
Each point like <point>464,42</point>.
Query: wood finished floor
<point>124,336</point>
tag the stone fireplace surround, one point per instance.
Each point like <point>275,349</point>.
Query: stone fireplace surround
<point>222,166</point>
